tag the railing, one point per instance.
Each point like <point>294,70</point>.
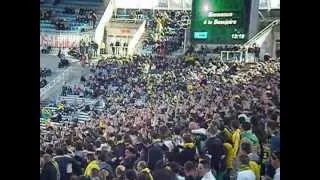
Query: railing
<point>126,20</point>
<point>45,30</point>
<point>232,56</point>
<point>262,32</point>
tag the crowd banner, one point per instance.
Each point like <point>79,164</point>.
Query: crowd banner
<point>63,39</point>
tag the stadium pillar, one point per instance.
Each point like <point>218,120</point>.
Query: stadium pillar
<point>185,40</point>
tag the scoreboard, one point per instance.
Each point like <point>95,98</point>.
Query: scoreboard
<point>220,21</point>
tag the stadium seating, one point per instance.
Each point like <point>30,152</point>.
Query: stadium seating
<point>69,19</point>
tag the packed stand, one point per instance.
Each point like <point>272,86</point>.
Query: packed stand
<point>168,118</point>
<point>167,30</point>
<point>68,19</point>
<point>71,110</point>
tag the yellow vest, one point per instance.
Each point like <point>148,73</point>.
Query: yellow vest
<point>229,159</point>
<point>236,142</point>
<point>92,165</point>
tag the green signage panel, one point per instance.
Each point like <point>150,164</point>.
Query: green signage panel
<point>220,21</point>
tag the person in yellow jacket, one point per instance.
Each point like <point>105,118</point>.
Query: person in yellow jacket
<point>229,159</point>
<point>235,137</point>
<point>245,149</point>
<point>189,88</point>
<point>93,164</point>
<point>102,124</point>
<point>60,107</point>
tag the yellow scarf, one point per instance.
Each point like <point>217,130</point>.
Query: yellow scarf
<point>119,142</point>
<point>147,170</point>
<point>188,145</point>
<point>244,167</point>
<point>102,124</point>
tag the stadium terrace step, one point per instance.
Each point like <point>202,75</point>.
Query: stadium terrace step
<point>70,99</point>
<point>46,25</point>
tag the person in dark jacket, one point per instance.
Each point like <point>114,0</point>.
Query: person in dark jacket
<point>190,171</point>
<point>129,158</point>
<point>155,153</point>
<point>119,148</point>
<point>67,165</point>
<point>188,152</point>
<point>117,47</point>
<point>113,48</point>
<point>50,169</point>
<point>125,48</point>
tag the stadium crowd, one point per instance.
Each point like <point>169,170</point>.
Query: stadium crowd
<point>164,117</point>
<point>168,118</point>
<point>83,15</point>
<point>167,30</point>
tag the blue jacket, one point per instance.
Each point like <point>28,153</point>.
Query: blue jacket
<point>275,143</point>
<point>64,162</point>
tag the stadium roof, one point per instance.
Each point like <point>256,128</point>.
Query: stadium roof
<point>179,4</point>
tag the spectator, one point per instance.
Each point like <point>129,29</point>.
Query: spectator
<point>95,49</point>
<point>65,163</point>
<point>113,48</point>
<point>117,47</point>
<point>94,19</point>
<point>143,169</point>
<point>50,169</point>
<point>120,172</point>
<point>216,149</point>
<point>190,171</point>
<point>92,167</point>
<point>275,161</point>
<point>273,131</point>
<point>155,152</point>
<point>131,175</point>
<point>245,149</point>
<point>188,152</point>
<point>161,174</point>
<point>129,158</point>
<point>205,171</point>
<point>245,173</point>
<point>235,124</point>
<point>248,136</point>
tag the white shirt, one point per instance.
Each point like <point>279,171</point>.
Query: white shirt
<point>208,176</point>
<point>277,175</point>
<point>246,175</point>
